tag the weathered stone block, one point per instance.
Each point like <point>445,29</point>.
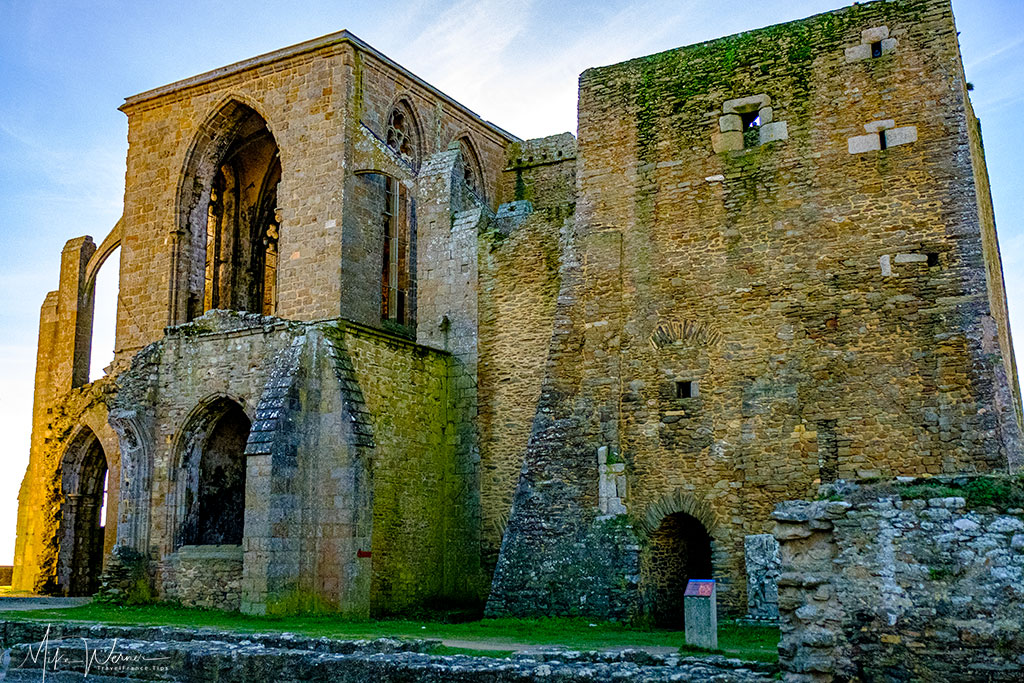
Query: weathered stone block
<point>900,136</point>
<point>874,35</point>
<point>727,142</point>
<point>772,132</point>
<point>761,555</point>
<point>742,105</point>
<point>730,122</point>
<point>877,126</point>
<point>864,143</point>
<point>857,53</point>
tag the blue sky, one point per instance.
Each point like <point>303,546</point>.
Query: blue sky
<point>65,67</point>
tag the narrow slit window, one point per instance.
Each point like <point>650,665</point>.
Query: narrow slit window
<point>751,128</point>
<point>882,142</point>
<point>876,49</point>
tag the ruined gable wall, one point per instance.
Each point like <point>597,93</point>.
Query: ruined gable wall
<point>928,585</point>
<point>302,99</point>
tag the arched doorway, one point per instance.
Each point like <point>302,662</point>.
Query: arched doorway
<point>82,519</point>
<point>214,462</point>
<point>678,550</point>
<point>229,203</point>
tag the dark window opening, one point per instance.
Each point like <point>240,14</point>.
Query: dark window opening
<point>876,49</point>
<point>222,480</point>
<point>933,260</point>
<point>396,274</point>
<point>687,389</point>
<point>751,123</point>
<point>242,227</point>
<point>882,142</point>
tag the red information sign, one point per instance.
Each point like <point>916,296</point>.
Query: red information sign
<point>699,588</point>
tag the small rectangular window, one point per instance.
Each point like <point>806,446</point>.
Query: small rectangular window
<point>883,143</point>
<point>933,260</point>
<point>876,49</point>
<point>751,122</point>
<point>687,389</point>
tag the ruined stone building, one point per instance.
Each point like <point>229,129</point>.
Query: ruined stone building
<point>375,353</point>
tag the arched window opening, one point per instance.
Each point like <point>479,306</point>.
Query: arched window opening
<point>402,134</point>
<point>234,221</point>
<point>82,518</point>
<point>214,463</point>
<point>472,173</point>
<point>104,321</point>
<point>678,550</point>
<point>390,232</point>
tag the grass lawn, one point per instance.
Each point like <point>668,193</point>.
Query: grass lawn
<point>737,640</point>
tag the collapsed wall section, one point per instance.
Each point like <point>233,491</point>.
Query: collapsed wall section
<point>925,580</point>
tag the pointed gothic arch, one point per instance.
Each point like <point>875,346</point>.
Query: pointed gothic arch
<point>403,133</point>
<point>83,484</point>
<point>472,169</point>
<point>210,470</point>
<point>228,222</point>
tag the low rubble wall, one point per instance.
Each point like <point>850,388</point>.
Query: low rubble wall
<point>901,587</point>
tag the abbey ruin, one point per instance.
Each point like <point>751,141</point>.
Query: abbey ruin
<point>375,353</point>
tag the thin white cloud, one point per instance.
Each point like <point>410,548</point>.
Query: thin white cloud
<point>998,52</point>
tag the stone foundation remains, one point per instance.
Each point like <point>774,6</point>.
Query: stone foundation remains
<point>884,587</point>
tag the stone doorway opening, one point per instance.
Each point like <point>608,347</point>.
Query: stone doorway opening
<point>678,550</point>
<point>82,515</point>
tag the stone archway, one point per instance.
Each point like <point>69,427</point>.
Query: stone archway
<point>227,208</point>
<point>82,524</point>
<point>676,533</point>
<point>679,550</point>
<point>213,462</point>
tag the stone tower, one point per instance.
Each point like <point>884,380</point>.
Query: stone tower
<point>783,271</point>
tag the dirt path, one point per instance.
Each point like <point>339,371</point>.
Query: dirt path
<point>21,604</point>
<point>519,647</point>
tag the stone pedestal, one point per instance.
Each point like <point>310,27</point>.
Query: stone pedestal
<point>701,613</point>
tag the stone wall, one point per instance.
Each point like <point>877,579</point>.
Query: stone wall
<point>751,315</point>
<point>519,261</point>
<point>899,586</point>
<point>206,576</point>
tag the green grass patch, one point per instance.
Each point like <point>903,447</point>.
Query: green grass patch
<point>1000,492</point>
<point>734,639</point>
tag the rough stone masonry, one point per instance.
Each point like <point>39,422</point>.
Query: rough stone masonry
<point>375,353</point>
